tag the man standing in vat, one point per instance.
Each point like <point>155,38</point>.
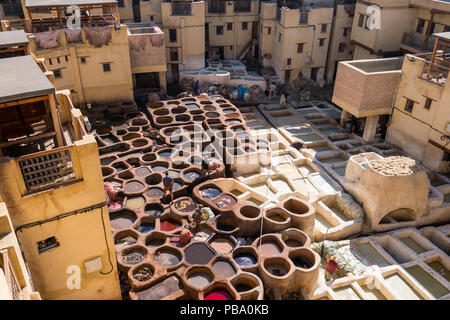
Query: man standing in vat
<point>168,185</point>
<point>331,268</point>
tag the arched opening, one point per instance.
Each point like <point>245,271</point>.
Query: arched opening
<point>399,215</point>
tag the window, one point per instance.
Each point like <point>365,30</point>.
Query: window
<point>300,47</point>
<point>409,105</point>
<point>361,20</point>
<point>321,42</point>
<point>342,47</point>
<point>152,18</point>
<point>57,74</point>
<point>346,32</point>
<point>420,26</point>
<point>323,28</point>
<point>50,61</point>
<point>47,244</point>
<point>120,3</point>
<point>447,29</point>
<point>173,54</point>
<point>67,58</point>
<point>269,30</point>
<point>289,61</point>
<point>173,35</point>
<point>304,17</point>
<point>244,25</point>
<point>428,103</point>
<point>242,5</point>
<point>433,26</point>
<point>219,30</point>
<point>279,37</point>
<point>229,26</point>
<point>83,60</point>
<point>106,67</point>
<point>57,59</point>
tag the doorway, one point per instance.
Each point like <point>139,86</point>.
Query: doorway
<point>287,76</point>
<point>174,71</point>
<point>255,30</point>
<point>314,72</point>
<point>136,11</point>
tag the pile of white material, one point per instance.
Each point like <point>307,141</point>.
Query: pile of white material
<point>98,36</point>
<point>47,39</point>
<point>395,166</point>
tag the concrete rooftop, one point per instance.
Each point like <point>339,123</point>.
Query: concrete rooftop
<point>65,3</point>
<point>21,78</point>
<point>13,38</point>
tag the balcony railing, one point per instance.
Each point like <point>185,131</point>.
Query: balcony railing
<point>411,40</point>
<point>216,6</point>
<point>46,169</point>
<point>242,6</point>
<point>435,73</point>
<point>181,9</point>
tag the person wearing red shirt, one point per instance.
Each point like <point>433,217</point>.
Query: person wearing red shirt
<point>331,268</point>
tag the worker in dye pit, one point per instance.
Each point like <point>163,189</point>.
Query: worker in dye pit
<point>272,89</point>
<point>197,87</point>
<point>168,185</point>
<point>331,268</point>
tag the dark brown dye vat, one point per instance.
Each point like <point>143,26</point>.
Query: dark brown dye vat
<point>186,205</point>
<point>226,201</point>
<point>198,253</point>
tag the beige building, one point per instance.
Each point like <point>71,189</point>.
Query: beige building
<point>52,187</point>
<point>184,29</point>
<point>295,38</point>
<point>420,121</point>
<point>412,93</point>
<point>400,26</point>
<point>103,61</point>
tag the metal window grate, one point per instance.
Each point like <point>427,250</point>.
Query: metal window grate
<point>46,170</point>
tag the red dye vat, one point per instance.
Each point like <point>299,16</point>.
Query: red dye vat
<point>218,294</point>
<point>169,225</point>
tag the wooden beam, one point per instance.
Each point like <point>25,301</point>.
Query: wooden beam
<point>55,118</point>
<point>27,139</point>
<point>24,101</point>
<point>437,145</point>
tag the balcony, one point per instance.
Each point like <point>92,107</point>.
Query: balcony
<point>242,6</point>
<point>414,44</point>
<point>216,6</point>
<point>181,9</point>
<point>367,87</point>
<point>437,72</point>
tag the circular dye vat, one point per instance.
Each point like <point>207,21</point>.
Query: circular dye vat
<point>177,186</point>
<point>159,168</point>
<point>223,269</point>
<point>133,257</point>
<point>218,294</point>
<point>142,172</point>
<point>230,110</point>
<point>153,210</point>
<point>120,167</point>
<point>186,205</point>
<point>169,225</point>
<point>153,243</point>
<point>209,108</point>
<point>191,175</point>
<point>270,248</point>
<point>155,193</point>
<point>212,114</point>
<point>241,287</point>
<point>222,245</point>
<point>198,253</point>
<point>210,192</point>
<point>125,241</point>
<point>199,279</point>
<point>165,153</point>
<point>226,201</point>
<point>233,121</point>
<point>173,173</point>
<point>301,262</point>
<point>143,274</point>
<point>245,259</point>
<point>146,227</point>
<point>122,221</point>
<point>167,258</point>
<point>277,218</point>
<point>135,203</point>
<point>277,269</point>
<point>293,243</point>
<point>133,187</point>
